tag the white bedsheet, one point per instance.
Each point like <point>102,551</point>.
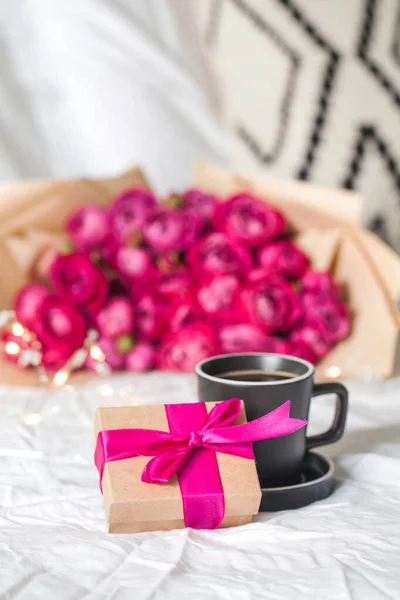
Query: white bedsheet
<point>52,534</point>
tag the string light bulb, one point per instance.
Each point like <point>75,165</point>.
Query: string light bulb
<point>18,329</point>
<point>334,371</point>
<point>12,348</point>
<point>31,418</point>
<point>28,352</point>
<point>97,353</point>
<point>60,377</point>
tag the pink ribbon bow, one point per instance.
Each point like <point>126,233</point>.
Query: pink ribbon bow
<point>189,448</point>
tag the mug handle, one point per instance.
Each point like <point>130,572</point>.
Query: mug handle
<point>337,428</point>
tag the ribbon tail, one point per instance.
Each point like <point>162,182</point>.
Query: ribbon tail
<point>161,468</point>
<point>126,443</point>
<point>275,424</point>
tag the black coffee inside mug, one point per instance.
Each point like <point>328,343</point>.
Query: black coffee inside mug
<point>256,375</point>
<point>264,382</point>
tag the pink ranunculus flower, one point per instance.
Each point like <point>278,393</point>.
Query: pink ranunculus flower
<point>89,227</point>
<point>203,203</point>
<point>182,312</point>
<point>284,258</point>
<point>302,350</point>
<point>175,284</point>
<point>171,229</point>
<point>258,274</point>
<point>217,296</point>
<point>279,346</point>
<point>109,249</point>
<point>77,279</point>
<point>182,350</point>
<point>130,210</point>
<point>117,317</point>
<point>151,316</point>
<point>272,304</point>
<point>28,303</point>
<point>61,329</point>
<point>320,282</point>
<point>141,358</point>
<point>327,315</point>
<point>249,220</point>
<point>312,338</point>
<point>192,227</point>
<point>133,263</point>
<point>144,286</point>
<point>216,254</point>
<point>243,337</point>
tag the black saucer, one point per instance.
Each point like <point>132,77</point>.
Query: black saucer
<point>317,481</point>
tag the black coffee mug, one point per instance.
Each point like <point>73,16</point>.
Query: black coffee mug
<point>264,382</point>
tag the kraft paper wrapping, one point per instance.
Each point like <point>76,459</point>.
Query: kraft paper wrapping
<point>132,506</point>
<point>325,223</point>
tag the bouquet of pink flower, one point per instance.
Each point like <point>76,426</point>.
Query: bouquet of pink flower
<point>146,285</point>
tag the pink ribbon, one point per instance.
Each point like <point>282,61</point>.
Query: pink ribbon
<point>189,448</point>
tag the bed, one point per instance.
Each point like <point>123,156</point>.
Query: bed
<point>93,90</point>
<point>53,542</point>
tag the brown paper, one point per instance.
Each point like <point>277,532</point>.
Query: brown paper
<point>33,214</point>
<point>305,205</point>
<point>46,205</point>
<point>326,241</point>
<point>132,506</point>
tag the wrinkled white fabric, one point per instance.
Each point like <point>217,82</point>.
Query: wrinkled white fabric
<point>52,532</point>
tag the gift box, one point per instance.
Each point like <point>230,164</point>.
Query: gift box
<point>326,223</point>
<point>210,486</point>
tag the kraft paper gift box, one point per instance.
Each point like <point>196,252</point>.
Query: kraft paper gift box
<point>132,506</point>
<point>326,223</point>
